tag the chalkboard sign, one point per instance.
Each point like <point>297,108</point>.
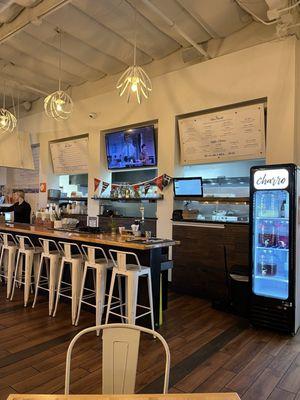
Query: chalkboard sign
<point>70,156</point>
<point>232,134</point>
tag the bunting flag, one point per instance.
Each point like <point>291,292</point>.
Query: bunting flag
<point>159,182</point>
<point>166,180</point>
<point>104,186</point>
<point>136,187</point>
<point>147,187</point>
<point>96,184</point>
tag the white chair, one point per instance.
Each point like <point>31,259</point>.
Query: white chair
<point>97,262</point>
<point>75,261</point>
<point>8,260</point>
<point>132,273</point>
<point>50,256</point>
<point>28,258</point>
<point>120,348</point>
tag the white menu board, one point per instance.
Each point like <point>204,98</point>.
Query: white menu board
<point>235,134</point>
<point>70,156</point>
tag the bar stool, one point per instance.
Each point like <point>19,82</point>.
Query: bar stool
<point>132,273</point>
<point>75,261</point>
<point>99,266</point>
<point>8,260</point>
<point>51,255</point>
<point>30,254</point>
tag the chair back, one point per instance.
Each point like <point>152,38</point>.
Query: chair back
<point>68,249</point>
<point>119,357</point>
<point>47,244</point>
<point>7,239</point>
<point>119,259</point>
<point>91,253</point>
<point>25,243</point>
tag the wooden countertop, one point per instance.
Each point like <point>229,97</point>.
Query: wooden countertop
<point>182,396</point>
<point>102,238</point>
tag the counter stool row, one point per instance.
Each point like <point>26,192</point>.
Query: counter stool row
<point>23,263</point>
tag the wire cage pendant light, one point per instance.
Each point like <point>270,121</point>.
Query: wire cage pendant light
<point>59,104</point>
<point>8,121</point>
<point>134,81</point>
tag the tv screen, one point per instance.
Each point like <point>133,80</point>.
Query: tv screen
<point>131,148</point>
<point>187,187</point>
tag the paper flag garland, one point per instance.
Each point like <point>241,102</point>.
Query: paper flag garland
<point>159,182</point>
<point>166,180</point>
<point>104,186</point>
<point>96,184</point>
<point>147,187</point>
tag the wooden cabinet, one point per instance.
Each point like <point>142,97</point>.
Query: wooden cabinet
<point>149,224</point>
<point>205,256</point>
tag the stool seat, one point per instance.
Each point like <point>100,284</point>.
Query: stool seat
<point>133,268</point>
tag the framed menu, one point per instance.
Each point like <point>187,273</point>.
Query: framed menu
<point>227,135</point>
<point>70,156</point>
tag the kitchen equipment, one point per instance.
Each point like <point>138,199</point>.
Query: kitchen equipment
<point>54,193</point>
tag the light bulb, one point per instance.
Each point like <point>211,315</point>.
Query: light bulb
<point>134,83</point>
<point>59,103</point>
<point>3,121</point>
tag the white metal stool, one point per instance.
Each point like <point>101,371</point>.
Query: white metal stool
<point>8,260</point>
<point>131,272</point>
<point>75,261</point>
<point>95,260</point>
<point>28,257</point>
<point>50,256</point>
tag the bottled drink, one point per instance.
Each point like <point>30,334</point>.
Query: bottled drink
<point>267,265</point>
<point>283,235</point>
<point>267,236</point>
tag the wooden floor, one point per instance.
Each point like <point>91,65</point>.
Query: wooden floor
<point>210,350</point>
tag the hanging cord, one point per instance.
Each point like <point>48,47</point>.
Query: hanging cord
<point>18,132</point>
<point>135,30</point>
<point>59,61</point>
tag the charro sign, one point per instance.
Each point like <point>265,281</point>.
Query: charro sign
<point>271,179</point>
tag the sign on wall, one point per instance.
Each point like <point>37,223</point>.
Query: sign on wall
<point>234,134</point>
<point>70,156</point>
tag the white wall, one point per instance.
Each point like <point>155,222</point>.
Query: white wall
<point>266,70</point>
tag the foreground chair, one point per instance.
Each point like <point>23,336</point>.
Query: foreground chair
<point>120,348</point>
<point>8,260</point>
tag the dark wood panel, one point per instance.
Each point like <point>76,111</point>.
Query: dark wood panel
<point>205,256</point>
<point>149,224</point>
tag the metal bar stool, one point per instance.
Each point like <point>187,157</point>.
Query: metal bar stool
<point>28,257</point>
<point>75,261</point>
<point>8,260</point>
<point>50,256</point>
<point>99,266</point>
<point>132,273</point>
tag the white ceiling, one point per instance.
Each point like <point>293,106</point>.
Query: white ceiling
<point>98,37</point>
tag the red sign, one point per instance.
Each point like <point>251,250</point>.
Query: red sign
<point>43,187</point>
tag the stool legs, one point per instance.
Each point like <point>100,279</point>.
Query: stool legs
<point>52,279</point>
<point>131,297</point>
<point>16,277</point>
<point>150,293</point>
<point>38,281</point>
<point>111,290</point>
<point>10,270</point>
<point>76,275</point>
<point>100,294</point>
<point>28,273</point>
<point>81,292</point>
<point>59,286</point>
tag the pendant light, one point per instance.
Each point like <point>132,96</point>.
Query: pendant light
<point>59,104</point>
<point>134,81</point>
<point>8,121</point>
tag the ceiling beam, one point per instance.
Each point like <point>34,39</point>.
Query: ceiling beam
<point>29,15</point>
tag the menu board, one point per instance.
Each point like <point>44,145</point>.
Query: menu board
<point>70,156</point>
<point>234,134</point>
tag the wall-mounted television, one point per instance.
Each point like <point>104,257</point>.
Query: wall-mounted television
<point>188,187</point>
<point>131,148</point>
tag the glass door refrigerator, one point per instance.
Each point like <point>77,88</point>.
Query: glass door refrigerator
<point>274,240</point>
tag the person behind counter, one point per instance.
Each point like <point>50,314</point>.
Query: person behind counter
<point>21,208</point>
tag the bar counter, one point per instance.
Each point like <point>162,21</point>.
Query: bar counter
<point>150,254</point>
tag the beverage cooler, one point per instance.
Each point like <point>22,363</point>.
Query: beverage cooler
<point>274,226</point>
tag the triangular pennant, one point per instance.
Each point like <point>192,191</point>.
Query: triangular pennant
<point>146,187</point>
<point>159,182</point>
<point>104,186</point>
<point>96,184</point>
<point>136,187</point>
<point>166,180</point>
